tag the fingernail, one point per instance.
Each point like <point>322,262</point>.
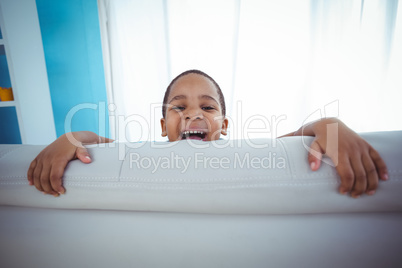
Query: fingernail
<point>356,196</point>
<point>30,183</point>
<point>87,157</point>
<point>385,177</point>
<point>371,192</point>
<point>342,191</point>
<point>312,165</point>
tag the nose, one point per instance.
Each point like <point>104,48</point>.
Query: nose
<point>194,115</point>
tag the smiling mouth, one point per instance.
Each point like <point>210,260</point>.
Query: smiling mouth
<point>193,135</point>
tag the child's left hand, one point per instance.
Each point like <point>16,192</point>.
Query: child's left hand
<point>359,165</point>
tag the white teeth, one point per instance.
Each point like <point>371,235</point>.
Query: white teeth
<point>192,132</point>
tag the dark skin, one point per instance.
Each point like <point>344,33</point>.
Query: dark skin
<point>358,164</point>
<point>47,169</point>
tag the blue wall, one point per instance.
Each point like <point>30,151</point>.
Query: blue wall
<point>4,74</point>
<point>10,133</point>
<point>73,54</point>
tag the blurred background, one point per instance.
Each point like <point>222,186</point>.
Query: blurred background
<point>280,64</point>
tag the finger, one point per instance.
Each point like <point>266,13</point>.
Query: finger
<point>360,185</point>
<point>315,155</point>
<point>31,171</point>
<point>382,169</point>
<point>44,179</point>
<point>36,177</point>
<point>56,175</point>
<point>83,155</point>
<point>105,140</point>
<point>345,171</point>
<point>372,175</point>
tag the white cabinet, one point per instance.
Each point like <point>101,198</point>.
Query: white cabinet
<point>22,57</point>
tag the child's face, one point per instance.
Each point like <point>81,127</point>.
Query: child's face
<point>193,110</point>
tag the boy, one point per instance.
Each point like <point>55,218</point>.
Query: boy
<point>194,108</point>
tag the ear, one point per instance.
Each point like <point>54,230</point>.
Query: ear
<point>163,126</point>
<point>225,124</point>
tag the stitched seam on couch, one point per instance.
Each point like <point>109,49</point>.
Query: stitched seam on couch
<point>146,179</point>
<point>394,175</point>
<point>197,186</point>
<point>194,186</point>
<point>202,187</point>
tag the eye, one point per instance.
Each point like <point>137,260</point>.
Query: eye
<point>178,108</point>
<point>207,108</point>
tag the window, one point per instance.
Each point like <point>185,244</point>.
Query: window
<point>280,64</point>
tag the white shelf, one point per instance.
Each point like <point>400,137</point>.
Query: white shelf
<point>26,64</point>
<point>7,103</point>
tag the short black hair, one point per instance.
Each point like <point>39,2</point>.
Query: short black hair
<point>169,88</point>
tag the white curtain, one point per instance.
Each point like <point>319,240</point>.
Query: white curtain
<point>280,64</point>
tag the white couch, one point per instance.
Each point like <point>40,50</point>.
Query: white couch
<point>238,206</point>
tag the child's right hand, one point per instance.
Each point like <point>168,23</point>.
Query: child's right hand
<point>46,170</point>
